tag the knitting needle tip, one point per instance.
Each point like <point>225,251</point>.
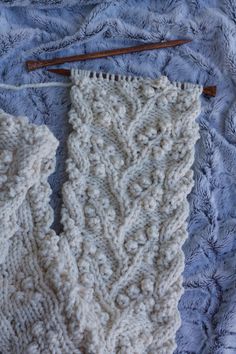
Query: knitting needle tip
<point>183,41</point>
<point>209,91</point>
<point>64,72</point>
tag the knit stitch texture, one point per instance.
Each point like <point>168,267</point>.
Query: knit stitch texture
<point>111,281</point>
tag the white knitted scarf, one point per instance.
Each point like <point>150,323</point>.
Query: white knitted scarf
<point>111,281</point>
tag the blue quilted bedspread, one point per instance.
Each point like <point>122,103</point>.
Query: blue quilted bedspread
<point>57,28</point>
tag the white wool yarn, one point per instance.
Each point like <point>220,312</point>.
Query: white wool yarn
<point>111,282</point>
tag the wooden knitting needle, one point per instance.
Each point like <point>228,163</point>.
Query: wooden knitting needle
<point>36,64</point>
<point>207,90</point>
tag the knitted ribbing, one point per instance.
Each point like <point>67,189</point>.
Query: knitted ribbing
<point>111,282</point>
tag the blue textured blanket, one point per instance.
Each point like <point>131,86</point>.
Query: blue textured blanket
<point>208,306</point>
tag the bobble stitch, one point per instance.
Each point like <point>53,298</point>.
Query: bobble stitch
<point>20,276</point>
<point>7,122</point>
<point>6,157</point>
<point>148,258</point>
<point>135,189</point>
<point>172,96</point>
<point>93,192</point>
<point>162,101</point>
<point>123,350</point>
<point>106,120</point>
<point>74,120</point>
<point>113,99</point>
<point>147,286</point>
<point>149,203</point>
<point>99,141</point>
<point>104,318</point>
<point>19,296</point>
<point>150,303</point>
<point>121,111</point>
<point>94,223</point>
<point>37,297</point>
<point>111,213</point>
<point>166,145</point>
<point>183,102</point>
<point>151,133</point>
<point>102,92</point>
<point>158,152</point>
<point>52,337</point>
<point>84,133</point>
<point>70,224</point>
<point>168,253</point>
<point>89,211</point>
<point>100,171</point>
<point>152,231</point>
<point>117,162</point>
<point>32,348</point>
<point>84,292</point>
<point>105,203</point>
<point>98,107</point>
<point>110,150</point>
<point>131,246</point>
<point>90,248</point>
<point>140,307</point>
<point>73,171</point>
<point>142,139</point>
<point>27,284</point>
<point>148,91</point>
<point>3,179</point>
<point>140,237</point>
<point>158,176</point>
<point>94,157</point>
<point>83,265</point>
<point>105,271</point>
<point>12,192</point>
<point>11,289</point>
<point>100,257</point>
<point>165,127</point>
<point>133,291</point>
<point>122,300</point>
<point>99,94</point>
<point>38,329</point>
<point>145,182</point>
<point>87,279</point>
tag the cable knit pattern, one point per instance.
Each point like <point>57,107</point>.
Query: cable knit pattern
<point>125,207</point>
<point>30,319</point>
<point>111,281</point>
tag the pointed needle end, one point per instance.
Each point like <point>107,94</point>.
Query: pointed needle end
<point>183,41</point>
<point>64,72</point>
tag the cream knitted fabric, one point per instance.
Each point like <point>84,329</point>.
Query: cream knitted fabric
<point>111,281</point>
